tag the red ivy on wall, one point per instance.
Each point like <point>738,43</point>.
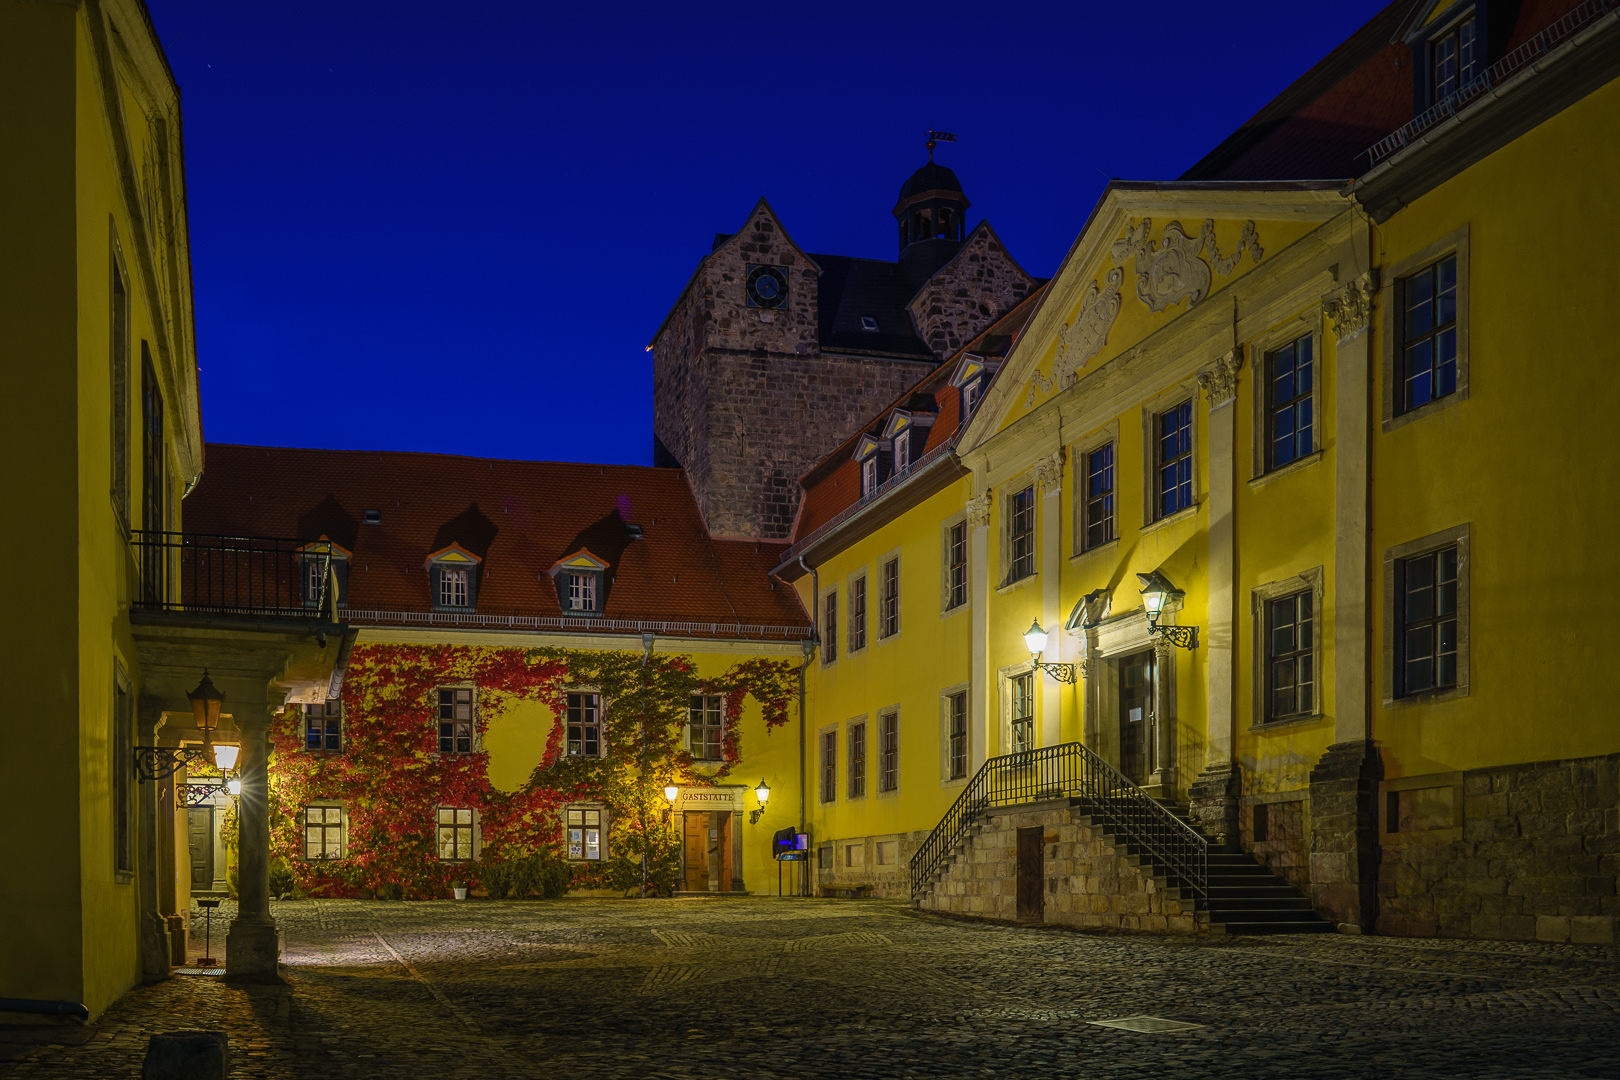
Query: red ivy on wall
<point>391,777</point>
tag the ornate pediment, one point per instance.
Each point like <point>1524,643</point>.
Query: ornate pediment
<point>868,445</point>
<point>898,421</point>
<point>454,555</point>
<point>1083,338</point>
<point>1172,270</point>
<point>579,562</point>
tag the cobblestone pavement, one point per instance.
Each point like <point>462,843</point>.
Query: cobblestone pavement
<point>798,988</point>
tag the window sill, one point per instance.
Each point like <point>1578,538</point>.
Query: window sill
<point>1287,722</point>
<point>1428,408</point>
<point>1013,586</point>
<point>123,877</point>
<point>946,613</point>
<point>1105,546</point>
<point>1427,697</point>
<point>1293,466</point>
<point>1175,518</point>
<point>882,641</point>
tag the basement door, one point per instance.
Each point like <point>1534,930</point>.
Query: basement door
<point>1031,874</point>
<point>200,832</point>
<point>1135,714</point>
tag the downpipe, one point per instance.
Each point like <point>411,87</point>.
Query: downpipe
<point>41,1007</point>
<point>809,651</point>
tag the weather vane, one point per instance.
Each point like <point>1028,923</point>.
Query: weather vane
<point>935,138</point>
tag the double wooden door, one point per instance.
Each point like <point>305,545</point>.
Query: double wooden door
<point>706,839</point>
<point>1135,715</point>
<point>200,833</point>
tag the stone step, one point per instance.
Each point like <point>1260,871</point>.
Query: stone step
<point>1258,903</point>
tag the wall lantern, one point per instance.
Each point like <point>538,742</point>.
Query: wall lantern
<point>671,792</point>
<point>205,702</point>
<point>1158,594</point>
<point>763,794</point>
<point>158,762</point>
<point>1035,638</point>
<point>234,786</point>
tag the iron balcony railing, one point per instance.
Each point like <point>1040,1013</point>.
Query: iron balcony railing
<point>234,575</point>
<point>1071,771</point>
<point>1554,34</point>
<point>485,621</point>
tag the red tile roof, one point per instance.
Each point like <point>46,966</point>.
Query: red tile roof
<point>519,517</point>
<point>834,484</point>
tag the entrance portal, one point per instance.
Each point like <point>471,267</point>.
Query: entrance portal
<point>1135,714</point>
<point>200,831</point>
<point>707,842</point>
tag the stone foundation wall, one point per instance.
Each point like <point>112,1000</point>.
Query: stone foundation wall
<point>1088,880</point>
<point>852,862</point>
<point>1522,852</point>
<point>1277,834</point>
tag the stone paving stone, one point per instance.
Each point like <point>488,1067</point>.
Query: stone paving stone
<point>764,988</point>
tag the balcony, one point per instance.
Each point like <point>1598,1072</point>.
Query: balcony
<point>255,576</point>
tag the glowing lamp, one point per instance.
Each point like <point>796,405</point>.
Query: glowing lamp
<point>1157,595</point>
<point>762,793</point>
<point>671,792</point>
<point>205,702</point>
<point>1035,638</point>
<point>225,757</point>
<point>234,786</point>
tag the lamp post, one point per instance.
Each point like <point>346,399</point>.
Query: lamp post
<point>1035,639</point>
<point>763,794</point>
<point>1157,594</point>
<point>671,793</point>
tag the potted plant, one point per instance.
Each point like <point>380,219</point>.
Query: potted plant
<point>460,889</point>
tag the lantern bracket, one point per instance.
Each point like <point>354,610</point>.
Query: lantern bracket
<point>161,762</point>
<point>1184,636</point>
<point>1063,673</point>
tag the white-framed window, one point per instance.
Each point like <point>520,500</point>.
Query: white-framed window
<point>582,592</point>
<point>323,727</point>
<point>455,586</point>
<point>1097,513</point>
<point>888,751</point>
<point>902,451</point>
<point>857,613</point>
<point>869,475</point>
<point>1173,460</point>
<point>829,628</point>
<point>1287,649</point>
<point>1022,688</point>
<point>956,564</point>
<point>456,720</point>
<point>584,724</point>
<point>1425,331</point>
<point>970,398</point>
<point>857,760</point>
<point>889,604</point>
<point>1426,610</point>
<point>706,727</point>
<point>586,828</point>
<point>956,735</point>
<point>323,832</point>
<point>829,765</point>
<point>456,834</point>
<point>1020,511</point>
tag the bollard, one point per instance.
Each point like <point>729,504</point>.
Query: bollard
<point>188,1055</point>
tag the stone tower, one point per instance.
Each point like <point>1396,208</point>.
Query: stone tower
<point>772,357</point>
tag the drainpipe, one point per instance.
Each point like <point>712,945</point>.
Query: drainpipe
<point>809,646</point>
<point>646,654</point>
<point>45,1008</point>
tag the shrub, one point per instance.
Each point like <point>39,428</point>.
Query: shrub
<point>516,875</point>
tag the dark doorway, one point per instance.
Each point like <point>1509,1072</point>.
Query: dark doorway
<point>696,843</point>
<point>1031,874</point>
<point>201,832</point>
<point>1135,714</point>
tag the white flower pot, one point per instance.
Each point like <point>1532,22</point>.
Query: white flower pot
<point>461,894</point>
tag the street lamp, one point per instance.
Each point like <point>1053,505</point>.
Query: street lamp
<point>225,756</point>
<point>763,794</point>
<point>1157,594</point>
<point>1035,638</point>
<point>671,793</point>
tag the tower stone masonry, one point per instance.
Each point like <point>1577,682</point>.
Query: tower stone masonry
<point>771,356</point>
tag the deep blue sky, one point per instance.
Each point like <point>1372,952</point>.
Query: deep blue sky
<point>455,226</point>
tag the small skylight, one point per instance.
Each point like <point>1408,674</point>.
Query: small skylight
<point>373,517</point>
<point>869,324</point>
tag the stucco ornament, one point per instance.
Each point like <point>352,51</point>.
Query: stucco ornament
<point>1083,338</point>
<point>1171,270</point>
<point>1219,379</point>
<point>1049,473</point>
<point>978,511</point>
<point>1351,310</point>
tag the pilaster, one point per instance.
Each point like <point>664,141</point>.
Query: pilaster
<point>1344,834</point>
<point>252,948</point>
<point>1049,481</point>
<point>154,931</point>
<point>978,523</point>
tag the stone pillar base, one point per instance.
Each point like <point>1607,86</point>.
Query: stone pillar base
<point>155,950</point>
<point>253,952</point>
<point>1344,834</point>
<point>1213,803</point>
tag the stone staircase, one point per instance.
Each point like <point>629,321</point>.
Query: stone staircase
<point>1096,877</point>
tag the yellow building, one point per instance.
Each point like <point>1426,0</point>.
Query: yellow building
<point>109,635</point>
<point>1338,429</point>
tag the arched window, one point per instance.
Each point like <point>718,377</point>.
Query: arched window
<point>946,225</point>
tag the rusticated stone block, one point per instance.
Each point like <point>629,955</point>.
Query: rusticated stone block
<point>1552,928</point>
<point>1592,930</point>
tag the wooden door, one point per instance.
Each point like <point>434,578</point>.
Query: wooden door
<point>722,823</point>
<point>1031,874</point>
<point>1135,710</point>
<point>696,844</point>
<point>200,829</point>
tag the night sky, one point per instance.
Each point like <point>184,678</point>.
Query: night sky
<point>456,226</point>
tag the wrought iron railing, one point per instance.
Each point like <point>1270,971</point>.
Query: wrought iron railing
<point>492,621</point>
<point>233,575</point>
<point>1552,35</point>
<point>1071,771</point>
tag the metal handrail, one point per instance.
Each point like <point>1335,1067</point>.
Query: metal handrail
<point>1553,34</point>
<point>233,575</point>
<point>1071,771</point>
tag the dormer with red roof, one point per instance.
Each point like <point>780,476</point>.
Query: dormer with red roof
<point>453,578</point>
<point>580,580</point>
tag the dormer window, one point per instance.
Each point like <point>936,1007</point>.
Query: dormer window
<point>453,577</point>
<point>869,451</point>
<point>1453,60</point>
<point>317,562</point>
<point>971,375</point>
<point>580,579</point>
<point>869,324</point>
<point>902,451</point>
<point>900,428</point>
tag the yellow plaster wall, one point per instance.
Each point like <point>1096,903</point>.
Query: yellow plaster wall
<point>1527,460</point>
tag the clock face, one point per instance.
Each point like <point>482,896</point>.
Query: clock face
<point>767,286</point>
